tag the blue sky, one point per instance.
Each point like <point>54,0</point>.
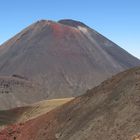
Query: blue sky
<point>119,20</point>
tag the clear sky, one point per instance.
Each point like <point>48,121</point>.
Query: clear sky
<point>119,20</point>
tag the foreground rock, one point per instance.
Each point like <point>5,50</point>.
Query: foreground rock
<point>110,111</point>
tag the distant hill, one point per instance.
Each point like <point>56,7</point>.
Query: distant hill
<point>17,91</point>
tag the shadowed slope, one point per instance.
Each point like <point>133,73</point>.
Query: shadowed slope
<point>66,58</point>
<point>109,111</point>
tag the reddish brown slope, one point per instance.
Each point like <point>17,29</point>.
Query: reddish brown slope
<point>110,111</point>
<point>66,58</point>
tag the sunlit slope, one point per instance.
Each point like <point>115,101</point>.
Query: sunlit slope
<point>23,114</point>
<point>42,108</point>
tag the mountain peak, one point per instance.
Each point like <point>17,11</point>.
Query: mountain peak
<point>72,23</point>
<point>43,21</point>
<point>68,22</point>
<point>64,58</point>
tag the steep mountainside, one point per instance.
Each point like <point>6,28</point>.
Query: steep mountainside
<point>110,111</point>
<point>66,58</point>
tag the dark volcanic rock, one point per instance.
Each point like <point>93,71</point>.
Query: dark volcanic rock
<point>72,23</point>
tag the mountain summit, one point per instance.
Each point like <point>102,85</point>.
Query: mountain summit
<point>72,23</point>
<point>64,58</point>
